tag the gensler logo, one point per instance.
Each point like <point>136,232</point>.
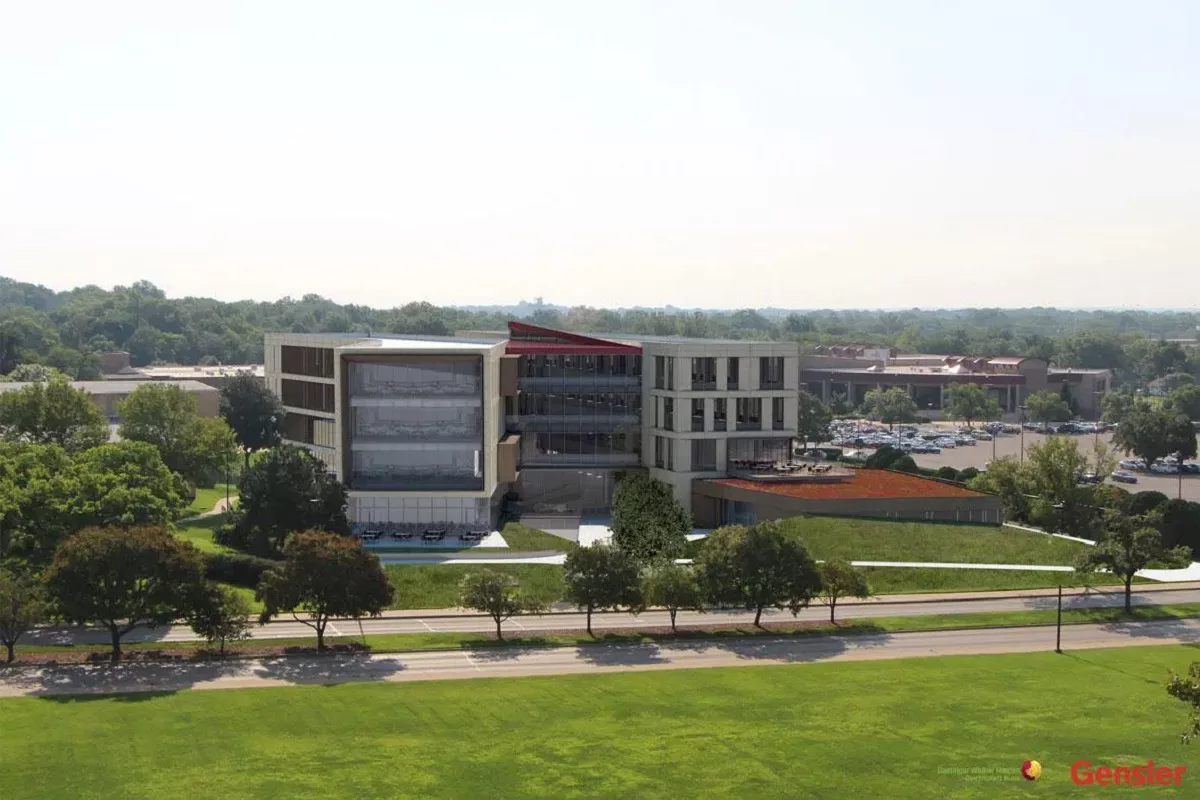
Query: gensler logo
<point>1083,774</point>
<point>1031,770</point>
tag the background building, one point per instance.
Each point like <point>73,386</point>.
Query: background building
<point>108,394</point>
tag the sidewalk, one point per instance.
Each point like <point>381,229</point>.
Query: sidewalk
<point>887,599</point>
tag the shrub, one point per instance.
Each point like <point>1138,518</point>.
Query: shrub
<point>968,474</point>
<point>1145,502</point>
<point>236,568</point>
<point>947,474</point>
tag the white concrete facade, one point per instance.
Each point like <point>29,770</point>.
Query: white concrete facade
<point>677,387</point>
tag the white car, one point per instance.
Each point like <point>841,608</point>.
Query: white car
<point>1162,468</point>
<point>1132,463</point>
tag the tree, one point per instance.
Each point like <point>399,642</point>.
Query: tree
<point>166,416</point>
<point>497,595</point>
<point>1054,467</point>
<point>1176,380</point>
<point>1188,690</point>
<point>813,419</point>
<point>647,521</point>
<point>673,587</point>
<point>1186,400</point>
<point>33,373</point>
<point>970,402</point>
<point>121,578</point>
<point>325,575</point>
<point>1045,407</point>
<point>889,406</point>
<point>1103,459</point>
<point>219,614</point>
<point>757,567</point>
<point>1130,544</point>
<point>253,412</point>
<point>1154,432</point>
<point>286,489</point>
<point>23,606</point>
<point>601,577</point>
<point>840,579</point>
<point>1115,406</point>
<point>52,412</point>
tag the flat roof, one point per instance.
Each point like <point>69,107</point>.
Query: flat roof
<point>865,484</point>
<point>117,387</point>
<point>424,343</point>
<point>184,373</point>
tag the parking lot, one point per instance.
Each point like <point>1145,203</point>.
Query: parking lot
<point>1010,445</point>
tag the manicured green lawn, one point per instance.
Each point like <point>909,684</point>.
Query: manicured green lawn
<point>522,537</point>
<point>437,585</point>
<point>199,532</point>
<point>901,580</point>
<point>876,540</point>
<point>877,729</point>
<point>206,499</point>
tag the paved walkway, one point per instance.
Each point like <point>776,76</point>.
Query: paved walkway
<point>599,658</point>
<point>452,621</point>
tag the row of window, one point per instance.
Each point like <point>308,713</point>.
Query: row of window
<point>420,377</point>
<point>704,452</point>
<point>302,394</point>
<point>313,361</point>
<point>704,373</point>
<point>747,414</point>
<point>579,403</point>
<point>577,366</point>
<point>548,449</point>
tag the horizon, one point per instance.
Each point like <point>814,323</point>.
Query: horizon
<point>839,156</point>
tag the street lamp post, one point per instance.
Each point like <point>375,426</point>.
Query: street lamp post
<point>1058,630</point>
<point>1179,470</point>
<point>1022,410</point>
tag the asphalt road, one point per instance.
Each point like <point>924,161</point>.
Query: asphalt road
<point>474,623</point>
<point>600,658</point>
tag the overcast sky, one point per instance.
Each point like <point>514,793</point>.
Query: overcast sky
<point>796,154</point>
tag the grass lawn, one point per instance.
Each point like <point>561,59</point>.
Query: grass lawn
<point>206,499</point>
<point>522,537</point>
<point>876,540</point>
<point>199,532</point>
<point>437,585</point>
<point>901,580</point>
<point>886,729</point>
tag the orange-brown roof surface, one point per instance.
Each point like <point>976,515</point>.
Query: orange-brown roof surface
<point>866,483</point>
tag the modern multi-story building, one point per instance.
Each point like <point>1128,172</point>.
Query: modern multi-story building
<point>451,429</point>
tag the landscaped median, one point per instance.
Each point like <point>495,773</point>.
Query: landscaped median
<point>572,637</point>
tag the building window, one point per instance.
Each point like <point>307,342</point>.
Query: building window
<point>660,372</point>
<point>704,374</point>
<point>731,382</point>
<point>749,413</point>
<point>770,372</point>
<point>720,412</point>
<point>777,414</point>
<point>704,455</point>
<point>302,394</point>
<point>660,459</point>
<point>670,373</point>
<point>668,413</point>
<point>697,415</point>
<point>316,362</point>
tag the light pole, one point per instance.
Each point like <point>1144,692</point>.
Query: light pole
<point>1099,395</point>
<point>1179,470</point>
<point>1022,410</point>
<point>1058,630</point>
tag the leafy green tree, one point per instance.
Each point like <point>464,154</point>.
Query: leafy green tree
<point>285,490</point>
<point>121,578</point>
<point>1152,433</point>
<point>497,595</point>
<point>1054,467</point>
<point>757,567</point>
<point>253,412</point>
<point>1186,400</point>
<point>813,420</point>
<point>1115,406</point>
<point>23,606</point>
<point>602,577</point>
<point>1188,690</point>
<point>34,373</point>
<point>647,521</point>
<point>1176,380</point>
<point>970,402</point>
<point>1130,544</point>
<point>52,412</point>
<point>219,615</point>
<point>889,406</point>
<point>325,575</point>
<point>1180,524</point>
<point>166,416</point>
<point>1046,407</point>
<point>1092,350</point>
<point>840,578</point>
<point>673,587</point>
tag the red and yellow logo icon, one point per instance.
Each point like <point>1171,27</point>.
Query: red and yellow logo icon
<point>1031,770</point>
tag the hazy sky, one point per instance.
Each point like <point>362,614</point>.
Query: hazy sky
<point>798,154</point>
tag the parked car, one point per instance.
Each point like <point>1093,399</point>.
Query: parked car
<point>1089,477</point>
<point>982,436</point>
<point>1124,476</point>
<point>1132,463</point>
<point>1163,468</point>
<point>1191,469</point>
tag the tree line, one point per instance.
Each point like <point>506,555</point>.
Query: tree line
<point>66,330</point>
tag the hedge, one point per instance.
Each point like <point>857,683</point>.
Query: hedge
<point>236,568</point>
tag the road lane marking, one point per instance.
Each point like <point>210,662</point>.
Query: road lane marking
<point>518,624</point>
<point>467,656</point>
<point>426,624</point>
